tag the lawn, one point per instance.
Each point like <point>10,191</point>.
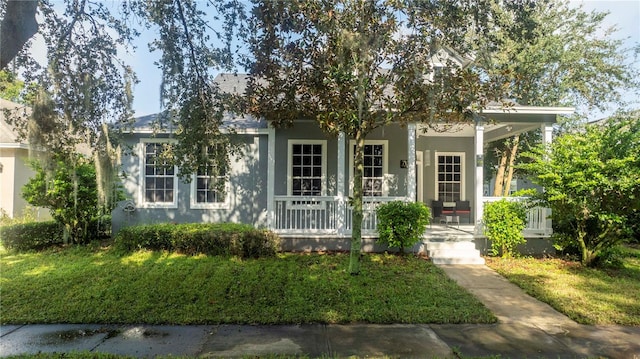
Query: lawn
<point>100,285</point>
<point>586,295</point>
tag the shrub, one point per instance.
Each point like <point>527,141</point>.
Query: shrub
<point>401,224</point>
<point>504,222</point>
<point>206,238</point>
<point>31,236</point>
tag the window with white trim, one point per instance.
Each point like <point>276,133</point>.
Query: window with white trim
<point>307,167</point>
<point>209,187</point>
<point>449,177</point>
<point>375,167</point>
<point>160,183</point>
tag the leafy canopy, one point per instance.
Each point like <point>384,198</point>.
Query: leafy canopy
<point>592,182</point>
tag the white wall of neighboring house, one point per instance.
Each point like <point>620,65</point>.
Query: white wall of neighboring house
<point>15,171</point>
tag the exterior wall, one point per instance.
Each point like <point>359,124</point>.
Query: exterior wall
<point>447,144</point>
<point>303,130</point>
<point>397,150</point>
<point>7,181</point>
<point>247,193</point>
<point>15,174</point>
<point>396,179</point>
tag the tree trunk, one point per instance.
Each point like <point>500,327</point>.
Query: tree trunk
<point>497,189</point>
<point>513,153</point>
<point>17,27</point>
<point>356,219</point>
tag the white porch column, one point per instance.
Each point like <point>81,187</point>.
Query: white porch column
<point>547,133</point>
<point>411,162</point>
<point>479,173</point>
<point>341,210</point>
<point>271,177</point>
<point>547,139</point>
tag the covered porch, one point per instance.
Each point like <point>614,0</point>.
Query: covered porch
<point>423,178</point>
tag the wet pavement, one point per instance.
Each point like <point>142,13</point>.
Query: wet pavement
<point>526,328</point>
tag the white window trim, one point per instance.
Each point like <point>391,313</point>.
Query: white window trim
<point>141,196</point>
<point>385,165</point>
<point>217,205</point>
<point>463,195</point>
<point>290,164</point>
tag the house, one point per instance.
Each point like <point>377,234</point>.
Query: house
<point>297,181</point>
<point>14,169</point>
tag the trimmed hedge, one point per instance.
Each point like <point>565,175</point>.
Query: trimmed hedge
<point>200,238</point>
<point>31,236</point>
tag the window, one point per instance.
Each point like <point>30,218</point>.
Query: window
<point>209,186</point>
<point>374,168</point>
<point>307,166</point>
<point>159,185</point>
<point>449,177</point>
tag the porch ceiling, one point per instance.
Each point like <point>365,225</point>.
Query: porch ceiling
<point>492,132</point>
<point>499,122</point>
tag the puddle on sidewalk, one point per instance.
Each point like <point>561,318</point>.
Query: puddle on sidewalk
<point>66,336</point>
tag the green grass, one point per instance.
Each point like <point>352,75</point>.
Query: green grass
<point>96,285</point>
<point>586,295</point>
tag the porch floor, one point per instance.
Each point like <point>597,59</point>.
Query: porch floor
<point>442,232</point>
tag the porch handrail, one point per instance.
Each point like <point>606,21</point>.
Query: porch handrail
<point>324,214</point>
<point>538,218</point>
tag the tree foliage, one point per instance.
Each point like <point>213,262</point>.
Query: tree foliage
<point>354,66</point>
<point>568,59</point>
<point>402,224</point>
<point>69,191</point>
<point>592,183</point>
<point>196,39</point>
<point>504,222</point>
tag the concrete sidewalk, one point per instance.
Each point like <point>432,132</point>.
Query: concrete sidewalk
<point>527,328</point>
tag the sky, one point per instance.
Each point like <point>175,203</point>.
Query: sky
<point>625,14</point>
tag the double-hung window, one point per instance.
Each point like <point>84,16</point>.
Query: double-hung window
<point>449,176</point>
<point>307,167</point>
<point>159,186</point>
<point>374,167</point>
<point>209,186</point>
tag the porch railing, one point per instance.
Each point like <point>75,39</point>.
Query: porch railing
<point>323,215</point>
<point>332,215</point>
<point>538,218</point>
<point>370,217</point>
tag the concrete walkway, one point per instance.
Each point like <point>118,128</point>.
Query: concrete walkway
<point>527,328</point>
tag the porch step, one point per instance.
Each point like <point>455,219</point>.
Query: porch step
<point>453,252</point>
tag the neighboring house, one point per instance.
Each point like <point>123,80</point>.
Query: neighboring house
<point>14,169</point>
<point>297,181</point>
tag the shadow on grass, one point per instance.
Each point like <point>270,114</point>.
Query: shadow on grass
<point>97,285</point>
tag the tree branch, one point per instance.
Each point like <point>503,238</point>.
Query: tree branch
<point>18,26</point>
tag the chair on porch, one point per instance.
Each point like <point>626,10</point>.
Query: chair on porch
<point>463,208</point>
<point>436,210</point>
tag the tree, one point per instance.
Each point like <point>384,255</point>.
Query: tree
<point>69,191</point>
<point>570,59</point>
<point>10,86</point>
<point>18,25</point>
<point>354,66</point>
<point>84,85</point>
<point>592,183</point>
